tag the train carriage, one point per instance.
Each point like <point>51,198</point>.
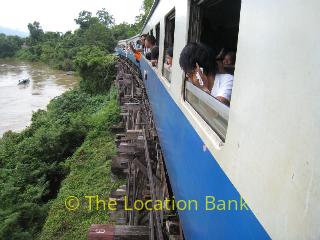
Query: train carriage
<point>263,149</point>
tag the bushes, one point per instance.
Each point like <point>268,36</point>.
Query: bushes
<point>33,162</point>
<point>96,69</point>
<point>90,174</point>
<point>26,54</point>
<point>9,45</point>
<point>67,138</point>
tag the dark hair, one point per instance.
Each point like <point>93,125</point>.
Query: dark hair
<point>232,56</point>
<point>194,53</point>
<point>170,51</point>
<point>138,42</point>
<point>151,39</point>
<point>144,35</point>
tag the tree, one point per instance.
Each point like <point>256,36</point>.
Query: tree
<point>105,17</point>
<point>147,4</point>
<point>84,19</point>
<point>9,45</point>
<point>96,69</point>
<point>124,31</point>
<point>141,18</point>
<point>36,32</point>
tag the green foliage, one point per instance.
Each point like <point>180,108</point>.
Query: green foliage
<point>141,18</point>
<point>83,19</point>
<point>96,69</point>
<point>70,140</point>
<point>36,33</point>
<point>32,163</point>
<point>124,30</point>
<point>9,45</point>
<point>61,50</point>
<point>105,17</point>
<point>90,175</point>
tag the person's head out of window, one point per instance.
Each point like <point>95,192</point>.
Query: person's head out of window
<point>153,53</point>
<point>169,56</point>
<point>197,58</point>
<point>229,58</point>
<point>150,41</point>
<point>142,39</point>
<point>197,61</point>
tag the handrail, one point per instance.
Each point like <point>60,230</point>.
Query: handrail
<point>209,100</point>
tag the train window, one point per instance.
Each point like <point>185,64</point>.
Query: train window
<point>151,32</point>
<point>158,33</point>
<point>214,23</point>
<point>168,44</point>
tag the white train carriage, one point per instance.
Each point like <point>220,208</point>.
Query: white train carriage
<point>265,147</point>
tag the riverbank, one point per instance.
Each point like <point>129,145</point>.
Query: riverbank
<point>65,151</point>
<point>19,101</point>
<point>70,141</point>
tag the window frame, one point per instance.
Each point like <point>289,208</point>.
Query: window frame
<point>169,21</point>
<point>195,22</point>
<point>157,28</point>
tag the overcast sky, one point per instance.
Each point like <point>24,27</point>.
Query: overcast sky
<point>59,15</point>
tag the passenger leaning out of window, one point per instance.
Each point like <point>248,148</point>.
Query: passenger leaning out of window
<point>169,57</point>
<point>168,63</point>
<point>140,46</point>
<point>153,55</point>
<point>197,61</point>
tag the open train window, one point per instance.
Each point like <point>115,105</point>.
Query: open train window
<point>157,34</point>
<point>214,23</point>
<point>168,44</point>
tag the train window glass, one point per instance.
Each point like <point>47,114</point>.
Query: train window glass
<point>158,33</point>
<point>214,23</point>
<point>168,44</point>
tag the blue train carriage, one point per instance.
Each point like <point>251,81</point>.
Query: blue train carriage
<point>263,149</point>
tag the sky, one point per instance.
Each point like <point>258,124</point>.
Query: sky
<point>59,15</point>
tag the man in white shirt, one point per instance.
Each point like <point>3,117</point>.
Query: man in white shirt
<point>222,86</point>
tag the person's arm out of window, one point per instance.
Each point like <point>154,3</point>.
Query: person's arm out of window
<point>223,100</point>
<point>224,93</point>
<point>132,48</point>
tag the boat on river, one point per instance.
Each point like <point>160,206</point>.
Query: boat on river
<point>24,81</point>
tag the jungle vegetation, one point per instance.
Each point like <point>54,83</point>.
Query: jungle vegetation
<point>67,148</point>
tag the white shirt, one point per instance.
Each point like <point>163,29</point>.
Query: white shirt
<point>222,86</point>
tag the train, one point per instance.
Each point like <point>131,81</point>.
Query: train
<point>253,166</point>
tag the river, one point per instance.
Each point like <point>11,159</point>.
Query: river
<point>17,102</point>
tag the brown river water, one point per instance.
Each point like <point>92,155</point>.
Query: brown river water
<point>17,102</point>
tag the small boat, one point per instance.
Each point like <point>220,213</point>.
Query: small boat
<point>24,81</point>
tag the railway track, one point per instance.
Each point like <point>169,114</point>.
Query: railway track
<point>139,159</point>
